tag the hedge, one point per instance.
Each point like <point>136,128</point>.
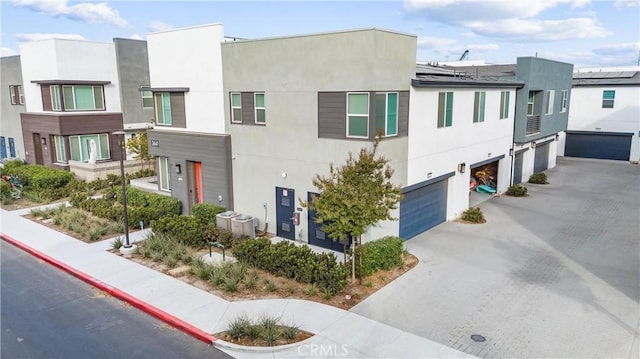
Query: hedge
<point>141,206</point>
<point>300,263</point>
<point>206,212</point>
<point>382,254</point>
<point>51,183</point>
<point>186,229</point>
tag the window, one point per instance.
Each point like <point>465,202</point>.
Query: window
<point>12,147</point>
<point>550,97</point>
<point>445,109</point>
<point>565,101</point>
<point>530,103</point>
<point>17,94</point>
<point>236,108</point>
<point>608,97</point>
<point>163,108</point>
<point>164,174</point>
<point>61,154</point>
<point>147,98</point>
<point>387,113</point>
<point>56,99</point>
<point>259,108</point>
<point>478,106</point>
<point>504,104</point>
<point>358,115</point>
<point>81,147</point>
<point>82,98</point>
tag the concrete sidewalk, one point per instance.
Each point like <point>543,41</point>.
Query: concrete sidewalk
<point>338,333</point>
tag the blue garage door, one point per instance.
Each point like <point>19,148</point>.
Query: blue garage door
<point>601,145</point>
<point>541,158</point>
<point>423,208</point>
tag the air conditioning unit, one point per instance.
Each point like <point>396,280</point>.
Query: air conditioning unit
<point>223,220</point>
<point>244,225</point>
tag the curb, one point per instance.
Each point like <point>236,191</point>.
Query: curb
<point>117,293</point>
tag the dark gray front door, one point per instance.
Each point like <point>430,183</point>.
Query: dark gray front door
<point>285,206</point>
<point>423,208</point>
<point>541,158</point>
<point>517,168</point>
<point>606,146</point>
<point>317,236</point>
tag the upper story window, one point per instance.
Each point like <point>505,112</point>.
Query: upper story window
<point>565,101</point>
<point>478,106</point>
<point>147,98</point>
<point>550,99</point>
<point>445,109</point>
<point>163,108</point>
<point>236,107</point>
<point>608,98</point>
<point>76,98</point>
<point>387,113</point>
<point>358,114</point>
<point>17,94</point>
<point>260,115</point>
<point>531,103</point>
<point>504,104</point>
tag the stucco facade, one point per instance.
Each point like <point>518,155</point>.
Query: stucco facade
<point>11,105</point>
<point>288,150</point>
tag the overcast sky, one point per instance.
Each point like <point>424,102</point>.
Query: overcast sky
<point>587,33</point>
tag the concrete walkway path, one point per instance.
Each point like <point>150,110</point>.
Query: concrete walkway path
<point>338,333</point>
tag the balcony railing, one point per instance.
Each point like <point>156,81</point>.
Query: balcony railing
<point>533,124</point>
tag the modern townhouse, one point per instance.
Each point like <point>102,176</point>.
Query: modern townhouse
<point>77,93</point>
<point>460,134</point>
<point>11,106</point>
<point>604,115</point>
<point>541,113</point>
<point>247,124</point>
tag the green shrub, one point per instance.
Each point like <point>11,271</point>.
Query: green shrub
<point>185,229</point>
<point>382,254</point>
<point>117,243</point>
<point>206,212</point>
<point>5,193</point>
<point>51,183</point>
<point>220,235</point>
<point>297,262</point>
<point>538,178</point>
<point>473,215</point>
<point>9,168</point>
<point>516,191</point>
<point>238,327</point>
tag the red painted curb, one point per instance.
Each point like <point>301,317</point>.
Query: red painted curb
<point>117,293</point>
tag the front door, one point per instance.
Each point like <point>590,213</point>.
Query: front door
<point>37,148</point>
<point>317,236</point>
<point>285,206</point>
<point>194,181</point>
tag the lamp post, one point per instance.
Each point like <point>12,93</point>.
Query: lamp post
<point>127,248</point>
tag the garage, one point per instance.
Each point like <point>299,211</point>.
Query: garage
<point>424,206</point>
<point>517,166</point>
<point>600,145</point>
<point>541,157</point>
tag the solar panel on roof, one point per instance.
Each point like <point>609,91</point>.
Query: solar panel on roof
<point>604,75</point>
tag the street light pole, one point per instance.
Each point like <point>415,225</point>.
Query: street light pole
<point>120,136</point>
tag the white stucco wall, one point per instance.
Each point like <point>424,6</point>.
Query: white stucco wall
<point>586,113</point>
<point>72,60</point>
<point>434,151</point>
<point>190,57</point>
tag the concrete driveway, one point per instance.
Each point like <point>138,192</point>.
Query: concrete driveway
<point>555,274</point>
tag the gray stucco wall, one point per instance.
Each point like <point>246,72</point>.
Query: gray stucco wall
<point>133,71</point>
<point>541,75</point>
<point>214,151</point>
<point>10,127</point>
<point>287,152</point>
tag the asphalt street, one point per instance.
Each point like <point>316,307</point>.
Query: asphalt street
<point>47,313</point>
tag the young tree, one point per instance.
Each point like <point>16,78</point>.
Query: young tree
<point>355,196</point>
<point>139,147</point>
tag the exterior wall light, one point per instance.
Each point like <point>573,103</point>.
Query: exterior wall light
<point>178,169</point>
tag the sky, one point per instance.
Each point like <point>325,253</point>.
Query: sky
<point>586,33</point>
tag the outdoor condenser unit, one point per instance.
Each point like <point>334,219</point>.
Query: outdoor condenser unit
<point>223,220</point>
<point>244,225</point>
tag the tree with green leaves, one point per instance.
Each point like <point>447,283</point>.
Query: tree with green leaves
<point>355,196</point>
<point>139,146</point>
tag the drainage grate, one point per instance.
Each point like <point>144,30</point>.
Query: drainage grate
<point>478,338</point>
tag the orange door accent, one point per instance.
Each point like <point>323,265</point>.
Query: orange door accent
<point>197,169</point>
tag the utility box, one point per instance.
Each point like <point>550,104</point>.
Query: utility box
<point>223,220</point>
<point>244,225</point>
